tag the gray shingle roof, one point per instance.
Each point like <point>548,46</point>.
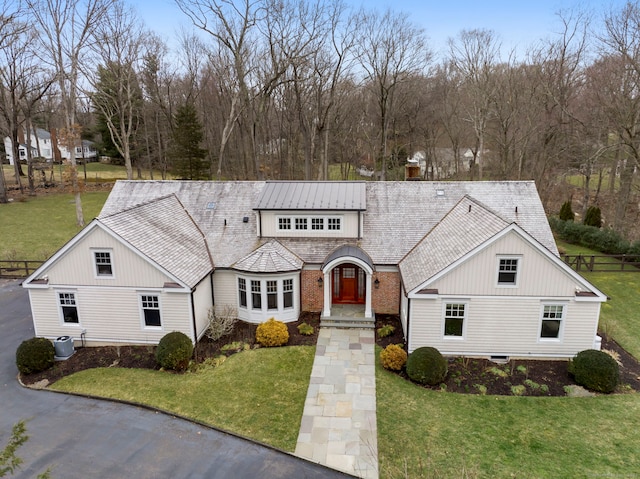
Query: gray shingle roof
<point>313,195</point>
<point>398,214</point>
<point>164,232</point>
<point>465,227</point>
<point>271,257</point>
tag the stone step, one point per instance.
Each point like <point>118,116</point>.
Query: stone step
<point>341,322</point>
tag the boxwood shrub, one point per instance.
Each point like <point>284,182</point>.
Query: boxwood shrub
<point>272,333</point>
<point>174,351</point>
<point>595,370</point>
<point>427,366</point>
<point>35,355</point>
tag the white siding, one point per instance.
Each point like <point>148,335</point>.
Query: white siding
<point>110,315</point>
<point>225,289</point>
<point>202,302</point>
<point>503,327</point>
<point>404,305</point>
<point>537,275</point>
<point>269,222</point>
<point>129,269</point>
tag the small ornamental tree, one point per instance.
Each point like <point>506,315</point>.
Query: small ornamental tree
<point>566,212</point>
<point>593,217</point>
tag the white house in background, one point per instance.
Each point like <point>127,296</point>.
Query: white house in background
<point>44,145</point>
<point>443,165</point>
<point>471,267</point>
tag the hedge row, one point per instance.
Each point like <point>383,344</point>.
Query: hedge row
<point>605,240</point>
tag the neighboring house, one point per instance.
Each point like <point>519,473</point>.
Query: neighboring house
<point>471,267</point>
<point>44,145</point>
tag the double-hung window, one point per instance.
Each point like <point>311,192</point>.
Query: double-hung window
<point>454,318</point>
<point>242,292</point>
<point>150,305</point>
<point>551,324</point>
<point>287,293</point>
<point>272,295</point>
<point>508,271</point>
<point>68,308</point>
<point>104,264</point>
<point>256,295</point>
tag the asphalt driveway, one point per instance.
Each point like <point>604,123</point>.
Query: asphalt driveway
<point>80,438</point>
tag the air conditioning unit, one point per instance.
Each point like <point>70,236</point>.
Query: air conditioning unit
<point>63,346</point>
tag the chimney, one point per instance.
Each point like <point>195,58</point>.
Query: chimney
<point>412,170</point>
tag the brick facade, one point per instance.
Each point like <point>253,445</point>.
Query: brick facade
<point>311,295</point>
<point>384,300</point>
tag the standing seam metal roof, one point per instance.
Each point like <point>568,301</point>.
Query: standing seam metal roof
<point>313,195</point>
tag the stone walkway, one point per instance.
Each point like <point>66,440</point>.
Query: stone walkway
<point>338,427</point>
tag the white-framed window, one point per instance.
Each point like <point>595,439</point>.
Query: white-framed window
<point>508,269</point>
<point>551,321</point>
<point>334,224</point>
<point>272,295</point>
<point>284,223</point>
<point>256,295</point>
<point>301,223</point>
<point>317,223</point>
<point>68,308</point>
<point>455,314</point>
<point>103,263</point>
<point>150,306</point>
<point>287,293</point>
<point>242,292</point>
<point>314,223</point>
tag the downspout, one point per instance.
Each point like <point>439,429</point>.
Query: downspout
<point>193,316</point>
<point>359,224</point>
<point>259,224</point>
<point>408,319</point>
<point>213,294</point>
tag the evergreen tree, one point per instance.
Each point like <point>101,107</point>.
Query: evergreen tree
<point>566,213</point>
<point>187,158</point>
<point>593,217</point>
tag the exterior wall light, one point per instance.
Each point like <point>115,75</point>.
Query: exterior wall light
<point>376,283</point>
<point>320,282</point>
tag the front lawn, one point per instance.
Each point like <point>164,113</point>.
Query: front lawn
<point>259,393</point>
<point>429,434</point>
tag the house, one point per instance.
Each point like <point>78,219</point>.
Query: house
<point>44,145</point>
<point>471,267</point>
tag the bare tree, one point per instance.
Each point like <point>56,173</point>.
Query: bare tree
<point>119,47</point>
<point>390,50</point>
<point>65,27</point>
<point>475,54</point>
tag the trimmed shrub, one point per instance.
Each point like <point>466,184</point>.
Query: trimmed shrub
<point>35,355</point>
<point>174,351</point>
<point>593,217</point>
<point>426,366</point>
<point>393,357</point>
<point>595,370</point>
<point>272,333</point>
<point>566,212</point>
<point>306,329</point>
<point>386,330</point>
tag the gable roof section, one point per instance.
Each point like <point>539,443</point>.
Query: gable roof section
<point>164,232</point>
<point>313,195</point>
<point>271,257</point>
<point>467,225</point>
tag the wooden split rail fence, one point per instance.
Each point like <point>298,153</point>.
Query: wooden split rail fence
<point>18,268</point>
<point>614,263</point>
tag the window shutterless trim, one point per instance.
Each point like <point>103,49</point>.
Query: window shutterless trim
<point>150,301</point>
<point>549,313</point>
<point>508,265</point>
<point>451,311</point>
<point>68,300</point>
<point>103,260</point>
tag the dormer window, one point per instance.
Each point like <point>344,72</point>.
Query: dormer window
<point>103,264</point>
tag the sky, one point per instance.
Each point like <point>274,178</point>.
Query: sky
<point>517,23</point>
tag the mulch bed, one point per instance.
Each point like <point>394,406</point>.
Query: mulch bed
<point>466,375</point>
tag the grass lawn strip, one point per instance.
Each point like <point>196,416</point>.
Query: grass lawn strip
<point>36,228</point>
<point>425,433</point>
<point>258,394</point>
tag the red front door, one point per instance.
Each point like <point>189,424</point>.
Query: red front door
<point>348,284</point>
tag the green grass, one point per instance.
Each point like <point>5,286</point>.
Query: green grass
<point>430,434</point>
<point>258,393</point>
<point>619,316</point>
<point>37,227</point>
